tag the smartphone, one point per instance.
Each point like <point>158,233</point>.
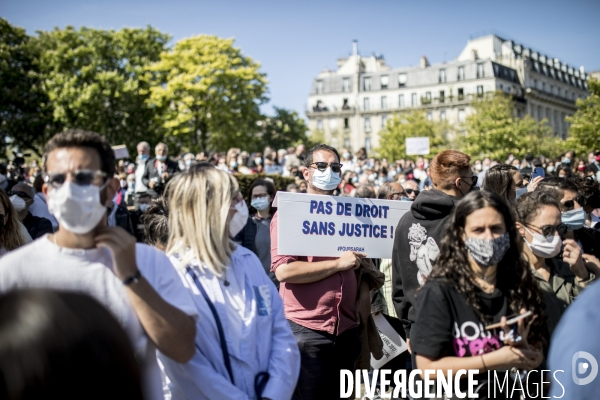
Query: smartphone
<point>538,171</point>
<point>511,320</point>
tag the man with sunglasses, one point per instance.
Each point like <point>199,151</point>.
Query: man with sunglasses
<point>136,282</point>
<point>319,295</point>
<point>418,235</point>
<point>21,196</point>
<point>411,188</point>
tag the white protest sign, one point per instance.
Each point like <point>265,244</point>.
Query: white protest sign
<point>120,151</point>
<point>328,226</point>
<point>417,146</point>
<point>393,344</point>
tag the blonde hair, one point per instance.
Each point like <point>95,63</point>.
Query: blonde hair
<point>11,236</point>
<point>199,203</point>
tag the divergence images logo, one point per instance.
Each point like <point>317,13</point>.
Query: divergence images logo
<point>579,367</point>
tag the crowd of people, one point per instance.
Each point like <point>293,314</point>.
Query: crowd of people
<point>201,305</point>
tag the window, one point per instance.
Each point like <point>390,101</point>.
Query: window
<point>346,123</point>
<point>442,115</point>
<point>383,120</point>
<point>543,86</point>
<point>442,78</point>
<point>442,96</point>
<point>319,87</point>
<point>401,80</point>
<point>383,102</point>
<point>345,105</point>
<point>427,97</point>
<point>385,80</point>
<point>535,83</point>
<point>347,143</point>
<point>429,116</point>
<point>367,124</point>
<point>461,93</point>
<point>368,144</point>
<point>551,89</point>
<point>480,91</point>
<point>401,101</point>
<point>320,124</point>
<point>461,73</point>
<point>480,73</point>
<point>539,114</point>
<point>462,117</point>
<point>559,92</point>
<point>413,101</point>
<point>333,124</point>
<point>366,84</point>
<point>346,85</point>
<point>366,104</point>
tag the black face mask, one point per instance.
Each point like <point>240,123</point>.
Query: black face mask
<point>472,188</point>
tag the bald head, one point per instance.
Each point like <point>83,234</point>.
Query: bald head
<point>390,191</point>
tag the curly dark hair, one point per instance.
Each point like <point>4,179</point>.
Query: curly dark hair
<point>156,223</point>
<point>514,277</point>
<point>589,191</point>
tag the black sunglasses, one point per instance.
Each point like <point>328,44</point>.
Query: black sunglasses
<point>81,177</point>
<point>19,193</point>
<point>322,166</point>
<point>411,191</point>
<point>549,230</point>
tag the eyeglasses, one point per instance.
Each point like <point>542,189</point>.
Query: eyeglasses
<point>411,191</point>
<point>19,193</point>
<point>396,196</point>
<point>322,166</point>
<point>260,195</point>
<point>549,230</point>
<point>473,180</point>
<point>81,177</point>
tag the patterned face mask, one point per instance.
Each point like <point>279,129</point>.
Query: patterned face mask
<point>488,252</point>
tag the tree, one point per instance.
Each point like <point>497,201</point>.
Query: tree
<point>584,133</point>
<point>282,130</point>
<point>493,131</point>
<point>210,92</point>
<point>25,116</point>
<point>392,139</point>
<point>93,79</point>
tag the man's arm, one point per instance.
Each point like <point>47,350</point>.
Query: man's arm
<point>308,272</point>
<point>146,176</point>
<point>172,331</point>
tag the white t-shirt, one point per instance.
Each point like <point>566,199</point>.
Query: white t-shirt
<point>44,264</point>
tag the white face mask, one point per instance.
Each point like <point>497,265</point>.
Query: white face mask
<point>326,180</point>
<point>541,247</point>
<point>18,203</point>
<point>239,219</point>
<point>76,208</point>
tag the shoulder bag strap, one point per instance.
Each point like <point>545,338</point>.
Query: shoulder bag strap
<point>217,320</point>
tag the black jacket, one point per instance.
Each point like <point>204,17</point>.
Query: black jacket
<point>151,173</point>
<point>590,240</point>
<point>37,226</point>
<point>416,246</point>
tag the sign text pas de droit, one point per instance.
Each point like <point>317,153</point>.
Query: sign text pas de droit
<point>328,226</point>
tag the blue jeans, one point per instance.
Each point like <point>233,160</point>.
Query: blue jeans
<point>323,355</point>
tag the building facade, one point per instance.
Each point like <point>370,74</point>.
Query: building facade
<point>352,104</point>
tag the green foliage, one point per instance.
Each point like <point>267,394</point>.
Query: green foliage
<point>24,112</point>
<point>392,138</point>
<point>584,133</point>
<point>210,93</point>
<point>494,131</point>
<point>282,130</point>
<point>245,181</point>
<point>93,80</point>
<point>316,137</point>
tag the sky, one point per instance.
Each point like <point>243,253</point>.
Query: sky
<point>295,40</point>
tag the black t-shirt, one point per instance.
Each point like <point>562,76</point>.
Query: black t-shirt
<point>447,326</point>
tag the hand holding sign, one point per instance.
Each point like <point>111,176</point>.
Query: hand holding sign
<point>350,259</point>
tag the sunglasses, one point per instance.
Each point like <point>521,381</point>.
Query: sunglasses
<point>411,191</point>
<point>19,193</point>
<point>322,166</point>
<point>549,230</point>
<point>81,177</point>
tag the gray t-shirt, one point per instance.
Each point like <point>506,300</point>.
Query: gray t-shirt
<point>262,244</point>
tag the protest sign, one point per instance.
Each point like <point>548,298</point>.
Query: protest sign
<point>328,226</point>
<point>120,152</point>
<point>417,146</point>
<point>393,344</point>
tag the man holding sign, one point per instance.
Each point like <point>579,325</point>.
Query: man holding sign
<point>319,294</point>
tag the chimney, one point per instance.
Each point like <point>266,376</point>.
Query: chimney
<point>474,55</point>
<point>354,47</point>
<point>424,62</point>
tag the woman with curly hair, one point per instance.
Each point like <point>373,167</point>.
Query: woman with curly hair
<point>479,279</point>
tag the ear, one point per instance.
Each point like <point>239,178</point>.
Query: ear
<point>520,228</point>
<point>45,190</point>
<point>305,172</point>
<point>112,188</point>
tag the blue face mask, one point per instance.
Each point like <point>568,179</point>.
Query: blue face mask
<point>404,198</point>
<point>573,219</point>
<point>260,203</point>
<point>521,192</point>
